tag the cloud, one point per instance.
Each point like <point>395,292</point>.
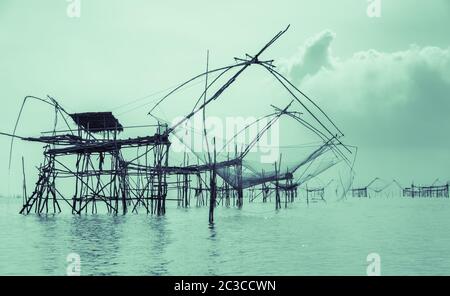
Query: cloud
<point>391,99</point>
<point>311,57</point>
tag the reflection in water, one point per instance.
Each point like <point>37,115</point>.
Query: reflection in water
<point>317,240</point>
<point>158,263</point>
<point>49,229</point>
<point>107,247</point>
<point>212,232</point>
<point>96,238</point>
<point>213,250</point>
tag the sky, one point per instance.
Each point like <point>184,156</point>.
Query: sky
<point>384,80</point>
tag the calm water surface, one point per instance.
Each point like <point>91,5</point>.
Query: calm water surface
<point>411,236</point>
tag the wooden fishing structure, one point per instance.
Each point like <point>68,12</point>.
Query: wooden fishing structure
<point>362,192</point>
<point>433,190</point>
<point>129,174</point>
<point>317,194</point>
<point>439,191</point>
<point>314,194</point>
<point>93,158</point>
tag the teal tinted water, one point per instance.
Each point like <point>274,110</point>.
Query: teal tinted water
<point>411,236</point>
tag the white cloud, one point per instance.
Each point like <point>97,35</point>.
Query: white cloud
<point>313,56</point>
<point>398,98</point>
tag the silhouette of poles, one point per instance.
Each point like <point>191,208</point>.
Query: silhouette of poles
<point>213,184</point>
